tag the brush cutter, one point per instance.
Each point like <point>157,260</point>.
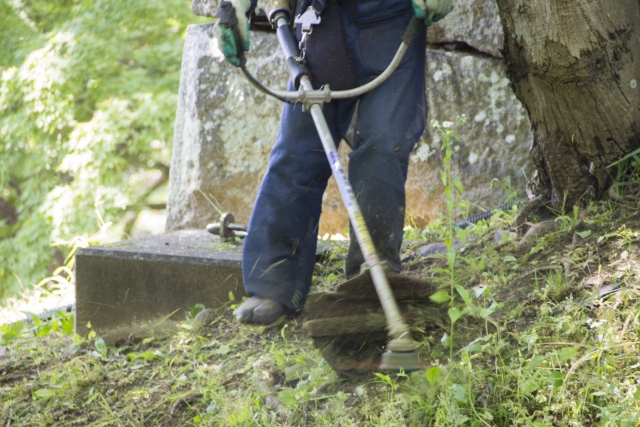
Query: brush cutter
<point>400,350</point>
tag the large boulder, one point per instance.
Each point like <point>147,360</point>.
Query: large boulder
<point>225,130</point>
<point>204,7</point>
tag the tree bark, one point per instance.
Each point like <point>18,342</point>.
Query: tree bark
<point>575,66</point>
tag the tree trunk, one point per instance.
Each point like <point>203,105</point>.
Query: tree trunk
<point>575,66</point>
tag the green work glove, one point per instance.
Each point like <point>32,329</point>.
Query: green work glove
<point>232,30</point>
<point>431,10</point>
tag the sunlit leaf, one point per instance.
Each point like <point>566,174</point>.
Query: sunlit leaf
<point>67,323</point>
<point>223,349</point>
<point>458,184</point>
<point>528,386</point>
<point>584,234</point>
<point>433,374</point>
<point>566,353</point>
<point>461,234</point>
<point>451,258</point>
<point>556,378</point>
<point>195,310</point>
<point>101,347</point>
<point>288,397</point>
<point>480,290</point>
<point>459,393</point>
<point>9,333</point>
<point>43,393</point>
<point>440,297</point>
<point>454,314</point>
<point>464,294</point>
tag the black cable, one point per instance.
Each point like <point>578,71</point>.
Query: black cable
<point>486,215</point>
<point>255,83</point>
<point>46,315</point>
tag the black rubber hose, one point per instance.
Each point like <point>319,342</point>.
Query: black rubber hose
<point>488,214</point>
<point>47,314</point>
<point>255,83</point>
<point>412,30</point>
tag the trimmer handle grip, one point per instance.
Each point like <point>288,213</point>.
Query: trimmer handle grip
<point>227,16</point>
<point>239,46</point>
<point>412,30</point>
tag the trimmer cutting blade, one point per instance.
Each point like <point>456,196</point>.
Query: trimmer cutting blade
<point>349,327</point>
<point>400,361</point>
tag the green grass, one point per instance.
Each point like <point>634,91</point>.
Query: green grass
<point>546,351</point>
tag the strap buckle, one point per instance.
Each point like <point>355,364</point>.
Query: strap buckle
<point>306,20</point>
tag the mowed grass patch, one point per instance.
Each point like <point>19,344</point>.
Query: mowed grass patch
<point>549,337</point>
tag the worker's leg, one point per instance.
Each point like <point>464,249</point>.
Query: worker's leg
<point>391,118</point>
<point>279,250</point>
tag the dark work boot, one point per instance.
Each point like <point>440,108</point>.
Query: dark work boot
<point>261,311</point>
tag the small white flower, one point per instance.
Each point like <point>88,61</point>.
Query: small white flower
<point>447,124</point>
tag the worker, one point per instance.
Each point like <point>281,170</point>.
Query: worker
<point>352,45</point>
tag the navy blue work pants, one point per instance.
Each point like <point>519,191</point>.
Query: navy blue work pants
<point>279,250</point>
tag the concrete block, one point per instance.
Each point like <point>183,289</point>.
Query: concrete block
<point>204,7</point>
<point>125,287</point>
<point>224,129</point>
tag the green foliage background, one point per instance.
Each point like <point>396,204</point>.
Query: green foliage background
<point>88,91</point>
